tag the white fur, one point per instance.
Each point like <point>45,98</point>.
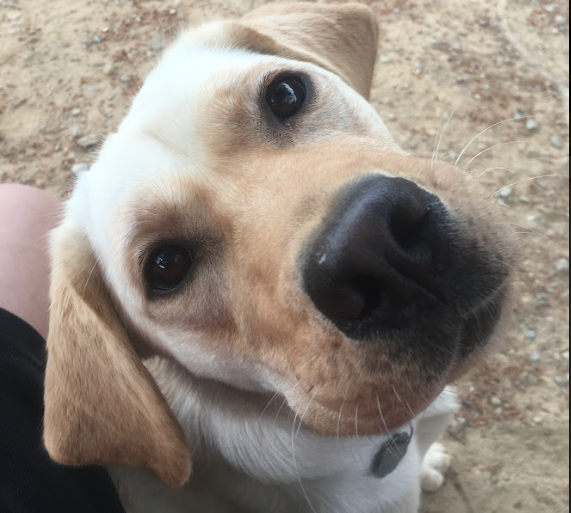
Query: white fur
<point>255,461</point>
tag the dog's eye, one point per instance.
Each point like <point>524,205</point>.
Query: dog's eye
<point>167,267</point>
<point>286,96</point>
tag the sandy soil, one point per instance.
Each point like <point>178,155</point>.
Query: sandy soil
<point>69,69</point>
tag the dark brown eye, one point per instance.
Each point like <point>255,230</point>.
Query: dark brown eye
<point>286,97</point>
<point>167,267</point>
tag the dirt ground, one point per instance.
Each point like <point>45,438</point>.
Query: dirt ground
<point>69,69</point>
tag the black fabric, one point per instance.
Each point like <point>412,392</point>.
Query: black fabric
<point>29,481</point>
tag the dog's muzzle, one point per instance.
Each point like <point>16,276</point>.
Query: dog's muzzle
<point>391,263</point>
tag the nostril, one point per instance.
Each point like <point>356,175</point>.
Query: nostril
<point>370,290</point>
<point>379,255</point>
<point>407,219</point>
<point>408,236</point>
<point>348,299</point>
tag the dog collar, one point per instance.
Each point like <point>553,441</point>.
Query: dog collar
<point>389,457</point>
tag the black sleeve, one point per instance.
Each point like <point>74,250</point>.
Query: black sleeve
<point>29,481</point>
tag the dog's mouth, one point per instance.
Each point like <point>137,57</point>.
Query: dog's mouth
<point>414,288</point>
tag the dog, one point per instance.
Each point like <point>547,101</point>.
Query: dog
<point>259,300</point>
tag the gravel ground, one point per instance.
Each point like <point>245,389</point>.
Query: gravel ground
<point>69,69</point>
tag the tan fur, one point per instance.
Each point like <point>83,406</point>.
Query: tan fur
<point>341,38</point>
<point>250,209</point>
<point>102,406</point>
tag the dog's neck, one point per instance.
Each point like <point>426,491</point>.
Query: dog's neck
<point>252,453</point>
<point>229,422</point>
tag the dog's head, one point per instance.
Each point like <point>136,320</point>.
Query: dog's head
<point>253,220</point>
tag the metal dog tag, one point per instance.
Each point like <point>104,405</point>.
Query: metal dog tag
<point>392,452</point>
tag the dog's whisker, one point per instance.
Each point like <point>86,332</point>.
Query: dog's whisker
<point>467,147</point>
<point>306,412</point>
<point>530,230</point>
<point>491,169</point>
<point>274,397</point>
<point>407,405</point>
<point>527,180</point>
<point>341,414</point>
<point>385,425</point>
<point>296,466</point>
<point>442,130</point>
<point>492,148</point>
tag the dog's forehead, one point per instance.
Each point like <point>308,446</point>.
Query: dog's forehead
<point>164,137</point>
<point>161,138</point>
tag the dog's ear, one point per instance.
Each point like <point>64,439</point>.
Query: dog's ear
<point>341,38</point>
<point>101,404</point>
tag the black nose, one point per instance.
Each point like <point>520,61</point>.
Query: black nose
<point>372,260</point>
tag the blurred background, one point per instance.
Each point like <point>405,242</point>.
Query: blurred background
<point>448,70</point>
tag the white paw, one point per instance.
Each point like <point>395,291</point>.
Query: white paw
<point>436,464</point>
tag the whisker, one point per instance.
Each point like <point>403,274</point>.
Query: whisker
<point>341,414</point>
<point>436,152</point>
<point>524,181</point>
<point>489,170</point>
<point>300,480</point>
<point>305,412</point>
<point>382,416</point>
<point>490,149</point>
<point>407,406</point>
<point>463,152</point>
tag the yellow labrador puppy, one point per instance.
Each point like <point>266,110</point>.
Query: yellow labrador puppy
<point>258,298</point>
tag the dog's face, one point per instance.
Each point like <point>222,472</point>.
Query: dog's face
<point>253,220</point>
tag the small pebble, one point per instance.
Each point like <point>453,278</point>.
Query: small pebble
<point>551,9</point>
<point>78,169</point>
<point>565,355</point>
<point>562,265</point>
<point>77,131</point>
<point>532,125</point>
<point>557,142</point>
<point>560,382</point>
<point>88,141</point>
<point>463,79</point>
<point>506,192</point>
<point>496,401</point>
<point>535,357</point>
<point>126,78</point>
<point>495,480</point>
<point>483,22</point>
<point>457,47</point>
<point>97,39</point>
<point>561,20</point>
<point>157,44</point>
<point>520,114</point>
<point>418,67</point>
<point>76,112</point>
<point>530,334</point>
<point>385,59</point>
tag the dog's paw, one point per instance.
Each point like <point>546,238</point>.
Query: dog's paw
<point>436,464</point>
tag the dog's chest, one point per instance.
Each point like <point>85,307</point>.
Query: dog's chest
<point>250,460</point>
<point>260,465</point>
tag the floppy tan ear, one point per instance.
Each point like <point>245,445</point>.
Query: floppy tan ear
<point>341,38</point>
<point>101,404</point>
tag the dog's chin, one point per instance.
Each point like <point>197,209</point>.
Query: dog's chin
<point>386,406</point>
<point>377,415</point>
